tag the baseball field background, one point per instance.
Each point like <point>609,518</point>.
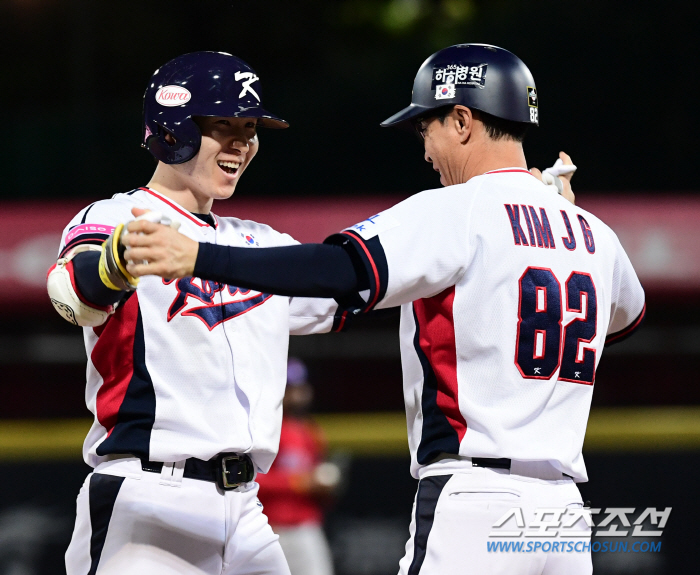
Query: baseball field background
<point>618,91</point>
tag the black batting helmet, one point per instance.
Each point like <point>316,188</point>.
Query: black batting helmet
<point>478,76</point>
<point>198,84</point>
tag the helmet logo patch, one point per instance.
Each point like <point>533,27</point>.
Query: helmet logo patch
<point>458,75</point>
<point>249,78</point>
<point>532,97</point>
<point>173,96</point>
<point>533,105</point>
<point>444,91</point>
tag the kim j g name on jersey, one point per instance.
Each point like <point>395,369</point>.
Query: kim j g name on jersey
<point>539,230</point>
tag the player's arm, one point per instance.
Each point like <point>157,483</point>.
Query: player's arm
<point>351,267</point>
<point>304,270</point>
<point>628,302</point>
<point>85,284</point>
<point>90,277</point>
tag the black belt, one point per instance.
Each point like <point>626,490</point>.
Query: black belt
<point>227,470</point>
<point>502,463</point>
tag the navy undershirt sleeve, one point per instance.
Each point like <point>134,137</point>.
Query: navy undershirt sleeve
<point>87,280</point>
<point>306,270</point>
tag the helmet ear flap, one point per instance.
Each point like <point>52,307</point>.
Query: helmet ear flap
<point>185,145</point>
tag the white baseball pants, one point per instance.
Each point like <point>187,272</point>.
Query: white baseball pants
<point>142,523</point>
<point>453,516</point>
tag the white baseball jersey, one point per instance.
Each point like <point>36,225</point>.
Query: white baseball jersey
<point>508,293</point>
<point>189,368</point>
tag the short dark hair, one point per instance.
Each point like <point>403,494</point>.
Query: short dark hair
<point>496,128</point>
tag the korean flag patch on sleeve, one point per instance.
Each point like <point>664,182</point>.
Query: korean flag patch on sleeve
<point>374,225</point>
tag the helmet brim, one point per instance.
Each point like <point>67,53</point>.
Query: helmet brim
<point>406,115</point>
<point>266,119</point>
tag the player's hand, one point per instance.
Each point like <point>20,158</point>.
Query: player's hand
<point>156,249</point>
<point>565,179</point>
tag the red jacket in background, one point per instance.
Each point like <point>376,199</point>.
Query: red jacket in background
<point>302,448</point>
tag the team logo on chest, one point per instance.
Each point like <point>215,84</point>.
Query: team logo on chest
<point>221,302</point>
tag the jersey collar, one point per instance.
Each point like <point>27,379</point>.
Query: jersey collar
<point>507,170</point>
<point>180,209</point>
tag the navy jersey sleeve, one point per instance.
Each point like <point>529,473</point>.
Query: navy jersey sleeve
<point>413,250</point>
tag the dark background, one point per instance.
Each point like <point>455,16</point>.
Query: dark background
<point>618,88</point>
<point>617,82</point>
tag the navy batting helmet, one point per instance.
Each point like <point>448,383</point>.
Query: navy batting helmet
<point>478,76</point>
<point>198,84</point>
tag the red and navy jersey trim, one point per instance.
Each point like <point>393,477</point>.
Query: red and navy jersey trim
<point>89,234</point>
<point>88,237</point>
<point>344,317</point>
<point>623,334</point>
<point>85,213</point>
<point>126,401</point>
<point>340,320</point>
<point>444,426</point>
<point>370,255</point>
<point>179,210</point>
<point>95,239</point>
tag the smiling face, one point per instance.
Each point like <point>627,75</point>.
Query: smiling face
<point>228,146</point>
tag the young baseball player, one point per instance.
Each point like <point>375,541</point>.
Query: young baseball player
<point>185,377</point>
<point>508,296</point>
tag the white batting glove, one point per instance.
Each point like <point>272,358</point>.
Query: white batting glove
<point>550,177</point>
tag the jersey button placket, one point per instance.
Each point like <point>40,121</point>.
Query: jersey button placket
<point>229,326</point>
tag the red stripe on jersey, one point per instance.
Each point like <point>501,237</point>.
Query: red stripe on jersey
<point>505,171</point>
<point>94,240</point>
<point>342,322</point>
<point>53,267</point>
<point>437,340</point>
<point>374,267</point>
<point>113,358</point>
<point>179,210</point>
<point>629,329</point>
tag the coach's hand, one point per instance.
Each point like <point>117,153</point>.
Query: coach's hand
<point>565,179</point>
<point>155,249</point>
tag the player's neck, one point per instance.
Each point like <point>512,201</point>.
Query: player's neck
<point>493,155</point>
<point>168,184</point>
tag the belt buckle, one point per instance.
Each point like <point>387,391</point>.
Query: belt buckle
<point>223,476</point>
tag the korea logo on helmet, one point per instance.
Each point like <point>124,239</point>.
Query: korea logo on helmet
<point>173,96</point>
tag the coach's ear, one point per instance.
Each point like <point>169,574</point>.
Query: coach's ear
<point>463,121</point>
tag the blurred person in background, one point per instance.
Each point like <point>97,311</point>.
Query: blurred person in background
<point>300,483</point>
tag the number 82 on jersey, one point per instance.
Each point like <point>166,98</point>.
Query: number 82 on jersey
<point>540,349</point>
